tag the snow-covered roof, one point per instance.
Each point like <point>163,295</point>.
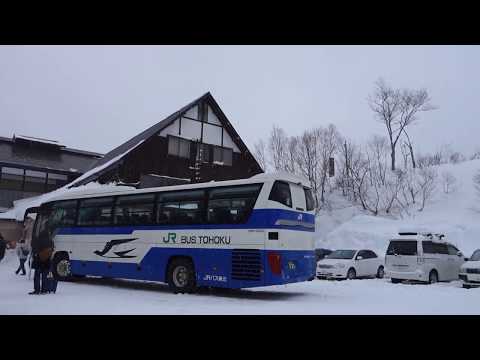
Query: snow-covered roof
<point>39,140</point>
<point>102,166</point>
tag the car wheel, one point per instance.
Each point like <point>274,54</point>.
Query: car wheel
<point>351,274</point>
<point>433,277</point>
<point>181,276</point>
<point>380,272</point>
<point>395,281</point>
<point>465,286</point>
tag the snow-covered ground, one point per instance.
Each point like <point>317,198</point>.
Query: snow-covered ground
<point>102,296</point>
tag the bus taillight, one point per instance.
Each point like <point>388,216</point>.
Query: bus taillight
<point>274,260</point>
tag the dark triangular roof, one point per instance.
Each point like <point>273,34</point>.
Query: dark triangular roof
<point>153,130</point>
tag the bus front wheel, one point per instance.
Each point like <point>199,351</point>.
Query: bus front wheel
<point>61,267</point>
<point>181,276</point>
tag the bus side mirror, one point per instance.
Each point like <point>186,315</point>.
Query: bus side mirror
<point>459,254</point>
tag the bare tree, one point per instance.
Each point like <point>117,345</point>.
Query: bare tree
<point>448,182</point>
<point>405,153</point>
<point>427,179</point>
<point>291,163</point>
<point>328,140</point>
<point>308,160</point>
<point>277,145</point>
<point>397,110</point>
<point>385,102</point>
<point>346,153</point>
<point>378,149</point>
<point>259,151</point>
<point>412,102</point>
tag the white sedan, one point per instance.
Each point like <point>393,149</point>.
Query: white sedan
<point>350,264</point>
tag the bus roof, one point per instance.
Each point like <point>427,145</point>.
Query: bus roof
<point>94,192</point>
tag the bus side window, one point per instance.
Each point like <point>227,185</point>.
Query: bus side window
<point>95,211</point>
<point>232,204</point>
<point>181,207</point>
<point>134,210</point>
<point>281,193</point>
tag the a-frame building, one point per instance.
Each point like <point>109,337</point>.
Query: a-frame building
<point>195,144</point>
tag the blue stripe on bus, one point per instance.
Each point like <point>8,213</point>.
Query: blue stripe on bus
<point>259,219</point>
<point>213,267</point>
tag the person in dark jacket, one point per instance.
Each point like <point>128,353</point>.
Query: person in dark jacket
<point>41,262</point>
<point>40,276</point>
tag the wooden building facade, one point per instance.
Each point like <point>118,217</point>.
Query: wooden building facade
<point>195,144</point>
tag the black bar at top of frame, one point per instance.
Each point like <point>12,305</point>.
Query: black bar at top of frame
<point>464,35</point>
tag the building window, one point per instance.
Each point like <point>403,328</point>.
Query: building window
<point>204,152</point>
<point>35,181</point>
<point>222,156</point>
<point>12,178</point>
<point>179,147</point>
<point>55,181</point>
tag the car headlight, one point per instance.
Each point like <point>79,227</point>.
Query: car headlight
<point>340,265</point>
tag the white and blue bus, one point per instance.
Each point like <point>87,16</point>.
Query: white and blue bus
<point>233,234</point>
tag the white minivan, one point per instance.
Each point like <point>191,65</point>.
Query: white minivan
<point>422,257</point>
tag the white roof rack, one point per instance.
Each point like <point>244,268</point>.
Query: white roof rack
<point>432,235</point>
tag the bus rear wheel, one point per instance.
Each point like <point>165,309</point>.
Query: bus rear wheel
<point>181,276</point>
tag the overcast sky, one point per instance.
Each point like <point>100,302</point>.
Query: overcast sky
<point>96,97</point>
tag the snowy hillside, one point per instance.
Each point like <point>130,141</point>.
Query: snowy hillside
<point>453,214</point>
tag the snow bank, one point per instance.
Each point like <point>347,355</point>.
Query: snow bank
<point>456,214</point>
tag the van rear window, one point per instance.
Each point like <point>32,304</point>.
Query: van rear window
<point>402,247</point>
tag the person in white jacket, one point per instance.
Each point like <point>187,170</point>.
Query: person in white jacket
<point>22,253</point>
<point>23,246</point>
